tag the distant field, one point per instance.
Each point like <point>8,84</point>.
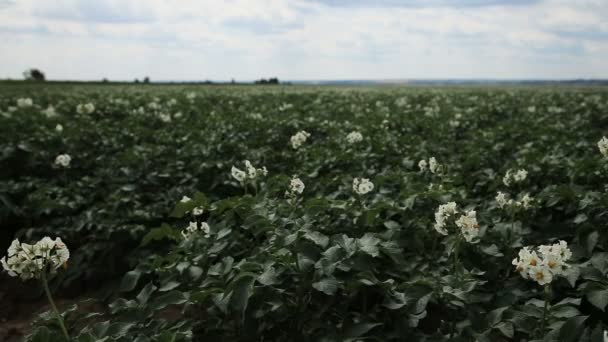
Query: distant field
<point>333,262</point>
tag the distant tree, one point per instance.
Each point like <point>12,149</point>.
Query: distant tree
<point>272,80</point>
<point>33,74</point>
<point>146,79</point>
<point>136,80</point>
<point>105,80</point>
<point>233,81</point>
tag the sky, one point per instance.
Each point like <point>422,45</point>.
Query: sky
<point>304,39</point>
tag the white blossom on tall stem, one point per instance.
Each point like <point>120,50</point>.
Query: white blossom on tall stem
<point>443,213</point>
<point>362,186</point>
<point>354,137</point>
<point>296,186</point>
<point>250,174</point>
<point>195,227</point>
<point>514,176</point>
<point>63,160</point>
<point>433,165</point>
<point>603,146</point>
<point>422,165</point>
<point>299,139</point>
<point>468,225</point>
<point>49,112</point>
<point>545,267</point>
<point>86,108</point>
<point>24,103</point>
<point>36,261</point>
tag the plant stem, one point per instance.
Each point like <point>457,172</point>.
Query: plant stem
<point>53,306</point>
<point>456,248</point>
<point>547,290</point>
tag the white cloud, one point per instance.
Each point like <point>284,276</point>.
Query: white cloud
<point>297,39</point>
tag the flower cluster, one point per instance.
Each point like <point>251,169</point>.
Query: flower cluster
<point>603,146</point>
<point>23,103</point>
<point>469,228</point>
<point>29,261</point>
<point>542,267</point>
<point>468,225</point>
<point>86,108</point>
<point>63,160</point>
<point>361,186</point>
<point>296,187</point>
<point>514,176</point>
<point>251,172</point>
<point>194,227</point>
<point>503,202</point>
<point>354,137</point>
<point>432,165</point>
<point>443,213</point>
<point>298,139</point>
<point>49,112</point>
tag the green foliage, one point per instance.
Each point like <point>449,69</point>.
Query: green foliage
<point>330,265</point>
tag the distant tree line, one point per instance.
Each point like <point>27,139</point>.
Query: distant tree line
<point>272,80</point>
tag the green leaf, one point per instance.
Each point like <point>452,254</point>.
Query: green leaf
<point>495,316</point>
<point>170,298</point>
<point>119,329</point>
<point>359,329</point>
<point>369,244</point>
<point>242,290</point>
<point>318,238</point>
<point>591,241</point>
<point>571,330</point>
<point>269,277</point>
<point>145,293</point>
<point>506,328</point>
<point>392,225</point>
<point>329,286</point>
<point>168,286</point>
<point>130,279</point>
<point>160,233</point>
<point>580,218</point>
<point>597,295</point>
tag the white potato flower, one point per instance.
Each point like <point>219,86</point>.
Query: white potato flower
<point>250,173</point>
<point>362,186</point>
<point>49,112</point>
<point>443,213</point>
<point>185,199</point>
<point>194,227</point>
<point>468,225</point>
<point>59,128</point>
<point>603,146</point>
<point>86,108</point>
<point>501,199</point>
<point>434,166</point>
<point>198,211</point>
<point>296,186</point>
<point>238,174</point>
<point>354,137</point>
<point>299,139</point>
<point>526,201</point>
<point>514,176</point>
<point>544,266</point>
<point>63,160</point>
<point>422,165</point>
<point>164,117</point>
<point>29,261</point>
<point>24,103</point>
